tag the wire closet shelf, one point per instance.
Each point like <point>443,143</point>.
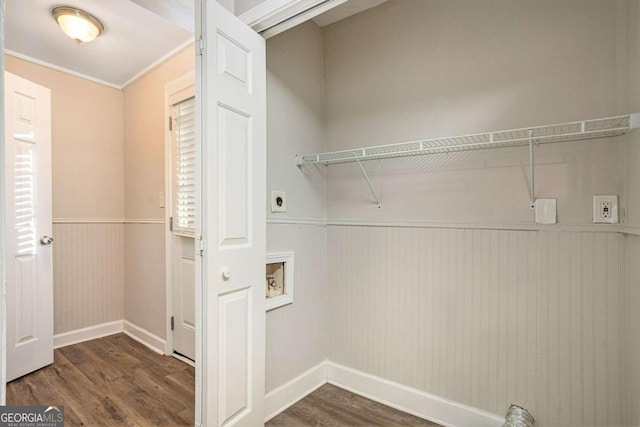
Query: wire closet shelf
<point>572,131</point>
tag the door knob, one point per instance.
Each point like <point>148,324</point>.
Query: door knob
<point>46,240</point>
<point>226,273</point>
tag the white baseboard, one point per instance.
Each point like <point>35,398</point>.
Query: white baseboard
<point>85,334</point>
<point>419,403</point>
<point>144,337</point>
<point>286,395</point>
<point>135,332</point>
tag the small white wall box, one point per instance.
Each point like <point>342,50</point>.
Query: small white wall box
<point>545,211</point>
<point>279,279</point>
<point>605,209</point>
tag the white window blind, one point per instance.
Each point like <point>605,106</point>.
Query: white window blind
<point>25,201</point>
<point>184,179</point>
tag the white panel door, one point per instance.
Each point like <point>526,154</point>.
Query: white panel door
<point>182,162</point>
<point>234,172</point>
<point>28,226</point>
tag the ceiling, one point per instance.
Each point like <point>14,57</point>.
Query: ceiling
<point>345,10</point>
<point>133,41</point>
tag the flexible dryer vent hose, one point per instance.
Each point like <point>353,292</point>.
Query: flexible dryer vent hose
<point>518,417</point>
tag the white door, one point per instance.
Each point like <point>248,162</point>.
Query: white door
<point>28,226</point>
<point>233,74</point>
<point>180,96</point>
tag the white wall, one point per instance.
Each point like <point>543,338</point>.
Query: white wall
<point>144,247</point>
<point>632,104</point>
<point>87,126</point>
<point>297,333</point>
<point>457,305</point>
<point>418,68</point>
<point>295,120</point>
<point>632,34</point>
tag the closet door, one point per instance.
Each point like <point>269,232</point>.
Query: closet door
<point>28,226</point>
<point>234,224</point>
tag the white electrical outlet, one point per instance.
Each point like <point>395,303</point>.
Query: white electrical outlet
<point>278,201</point>
<point>605,209</point>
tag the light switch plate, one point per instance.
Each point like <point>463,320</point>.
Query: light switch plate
<point>278,201</point>
<point>605,209</point>
<point>546,211</point>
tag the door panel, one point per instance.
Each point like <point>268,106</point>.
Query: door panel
<point>234,148</point>
<point>233,218</point>
<point>235,351</point>
<point>188,298</point>
<point>28,219</point>
<point>233,61</point>
<point>184,300</point>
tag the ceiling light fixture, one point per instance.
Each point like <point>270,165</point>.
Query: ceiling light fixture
<point>77,24</point>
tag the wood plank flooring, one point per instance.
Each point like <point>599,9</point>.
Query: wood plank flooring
<point>111,381</point>
<point>116,381</point>
<point>331,406</point>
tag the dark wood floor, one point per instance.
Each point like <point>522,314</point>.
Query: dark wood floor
<point>335,407</point>
<point>111,381</point>
<point>116,381</point>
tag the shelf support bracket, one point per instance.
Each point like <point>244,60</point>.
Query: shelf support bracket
<point>532,173</point>
<point>366,177</point>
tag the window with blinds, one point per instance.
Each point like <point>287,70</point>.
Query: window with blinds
<point>184,179</point>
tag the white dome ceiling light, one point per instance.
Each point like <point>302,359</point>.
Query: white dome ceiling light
<point>77,24</point>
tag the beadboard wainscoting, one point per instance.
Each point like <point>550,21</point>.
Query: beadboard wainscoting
<point>632,302</point>
<point>88,273</point>
<point>89,265</point>
<point>145,288</point>
<point>485,317</point>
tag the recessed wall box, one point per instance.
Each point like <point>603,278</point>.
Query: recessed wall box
<point>279,279</point>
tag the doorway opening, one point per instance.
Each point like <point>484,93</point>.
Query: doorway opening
<point>108,298</point>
